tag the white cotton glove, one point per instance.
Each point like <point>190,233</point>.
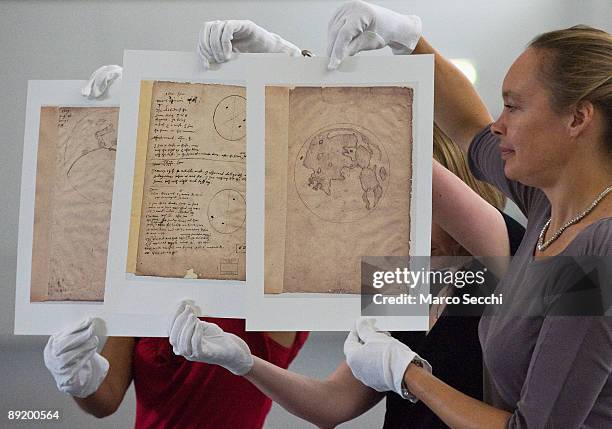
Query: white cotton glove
<point>360,26</point>
<point>100,80</point>
<point>376,359</point>
<point>218,39</point>
<point>72,358</point>
<point>200,341</point>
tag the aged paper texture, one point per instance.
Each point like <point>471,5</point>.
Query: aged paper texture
<point>193,207</point>
<point>140,163</point>
<point>74,190</point>
<point>338,184</point>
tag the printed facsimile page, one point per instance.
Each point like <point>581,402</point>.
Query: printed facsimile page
<point>74,191</point>
<point>338,183</point>
<point>188,206</point>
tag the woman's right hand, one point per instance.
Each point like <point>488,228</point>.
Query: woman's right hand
<point>218,39</point>
<point>72,358</point>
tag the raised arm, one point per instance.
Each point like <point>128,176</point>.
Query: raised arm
<point>358,26</point>
<point>458,109</point>
<point>454,207</point>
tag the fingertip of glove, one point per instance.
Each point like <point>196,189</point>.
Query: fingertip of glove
<point>333,64</point>
<point>84,324</point>
<point>205,64</point>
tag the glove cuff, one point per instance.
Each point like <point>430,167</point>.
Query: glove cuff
<point>243,367</point>
<point>244,363</point>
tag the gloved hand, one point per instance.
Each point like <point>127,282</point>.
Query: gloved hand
<point>218,39</point>
<point>200,341</point>
<point>376,359</point>
<point>100,80</point>
<point>360,26</point>
<point>72,358</point>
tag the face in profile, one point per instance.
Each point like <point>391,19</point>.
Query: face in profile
<point>535,143</point>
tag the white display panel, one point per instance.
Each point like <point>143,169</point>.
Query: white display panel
<point>327,312</point>
<point>147,295</point>
<point>46,317</point>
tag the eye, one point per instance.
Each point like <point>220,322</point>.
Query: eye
<point>510,107</point>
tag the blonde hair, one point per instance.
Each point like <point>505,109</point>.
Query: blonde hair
<point>447,153</point>
<point>578,68</point>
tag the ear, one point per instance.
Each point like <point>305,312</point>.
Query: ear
<point>581,117</point>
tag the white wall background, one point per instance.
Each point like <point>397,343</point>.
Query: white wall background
<point>69,39</point>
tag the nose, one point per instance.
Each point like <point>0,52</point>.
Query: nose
<point>498,127</point>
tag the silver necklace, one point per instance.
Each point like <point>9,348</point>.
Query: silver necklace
<point>543,245</point>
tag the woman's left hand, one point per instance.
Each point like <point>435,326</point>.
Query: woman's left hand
<point>376,359</point>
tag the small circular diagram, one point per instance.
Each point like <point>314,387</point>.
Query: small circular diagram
<point>227,211</point>
<point>229,118</point>
<point>341,173</point>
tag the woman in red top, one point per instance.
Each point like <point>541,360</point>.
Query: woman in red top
<point>172,391</point>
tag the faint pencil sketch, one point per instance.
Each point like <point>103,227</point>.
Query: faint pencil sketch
<point>341,173</point>
<point>90,157</point>
<point>230,118</point>
<point>75,174</point>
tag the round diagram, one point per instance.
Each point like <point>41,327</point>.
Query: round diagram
<point>230,118</point>
<point>341,173</point>
<point>90,158</point>
<point>227,211</point>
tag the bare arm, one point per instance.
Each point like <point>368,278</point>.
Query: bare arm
<point>310,398</point>
<point>454,408</point>
<point>455,205</point>
<point>458,109</point>
<point>106,400</point>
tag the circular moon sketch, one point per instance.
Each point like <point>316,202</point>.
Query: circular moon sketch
<point>227,211</point>
<point>89,158</point>
<point>230,118</point>
<point>341,173</point>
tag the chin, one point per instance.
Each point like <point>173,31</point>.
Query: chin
<point>510,172</point>
<point>524,176</point>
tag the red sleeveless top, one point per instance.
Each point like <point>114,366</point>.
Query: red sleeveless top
<point>172,392</point>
